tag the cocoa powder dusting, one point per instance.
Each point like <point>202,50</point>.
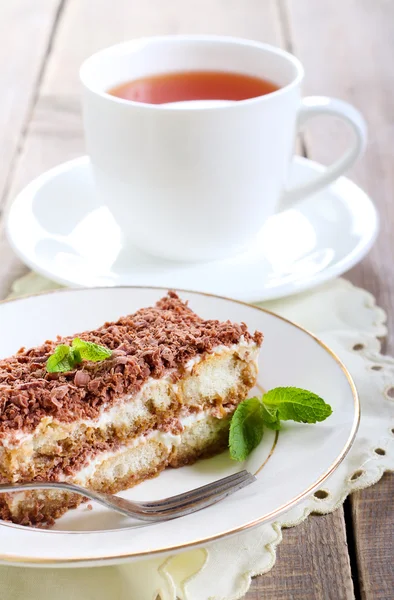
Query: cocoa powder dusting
<point>150,343</point>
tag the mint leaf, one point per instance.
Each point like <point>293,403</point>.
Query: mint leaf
<point>90,351</point>
<point>62,360</point>
<point>66,358</point>
<point>270,417</point>
<point>246,429</point>
<point>296,404</point>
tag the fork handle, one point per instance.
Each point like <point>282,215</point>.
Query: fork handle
<point>186,503</point>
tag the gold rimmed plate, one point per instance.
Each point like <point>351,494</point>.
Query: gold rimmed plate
<point>289,466</point>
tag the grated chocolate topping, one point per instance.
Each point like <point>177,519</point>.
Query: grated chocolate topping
<point>150,343</point>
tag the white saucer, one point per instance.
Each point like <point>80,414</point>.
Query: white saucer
<point>57,227</point>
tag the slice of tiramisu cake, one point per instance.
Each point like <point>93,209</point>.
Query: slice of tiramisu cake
<point>157,390</point>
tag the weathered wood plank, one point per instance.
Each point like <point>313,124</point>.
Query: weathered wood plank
<point>25,33</point>
<point>359,69</point>
<point>374,530</point>
<point>310,563</point>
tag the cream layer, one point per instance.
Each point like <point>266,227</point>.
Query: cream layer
<point>215,379</point>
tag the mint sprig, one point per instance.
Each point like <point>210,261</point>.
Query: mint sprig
<point>282,403</point>
<point>66,358</point>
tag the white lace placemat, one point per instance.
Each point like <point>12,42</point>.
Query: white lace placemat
<point>348,320</point>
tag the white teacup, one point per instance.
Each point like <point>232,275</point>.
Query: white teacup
<point>196,181</point>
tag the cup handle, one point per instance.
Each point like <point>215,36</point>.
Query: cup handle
<point>314,106</point>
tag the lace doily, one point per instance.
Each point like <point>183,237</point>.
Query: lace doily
<point>349,321</point>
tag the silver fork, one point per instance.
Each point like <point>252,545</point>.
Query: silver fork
<point>156,510</point>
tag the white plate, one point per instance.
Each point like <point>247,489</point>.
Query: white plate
<point>289,467</point>
<point>58,229</point>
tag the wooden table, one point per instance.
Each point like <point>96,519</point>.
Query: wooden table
<point>347,47</point>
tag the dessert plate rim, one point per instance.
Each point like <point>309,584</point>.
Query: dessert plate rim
<point>29,535</point>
